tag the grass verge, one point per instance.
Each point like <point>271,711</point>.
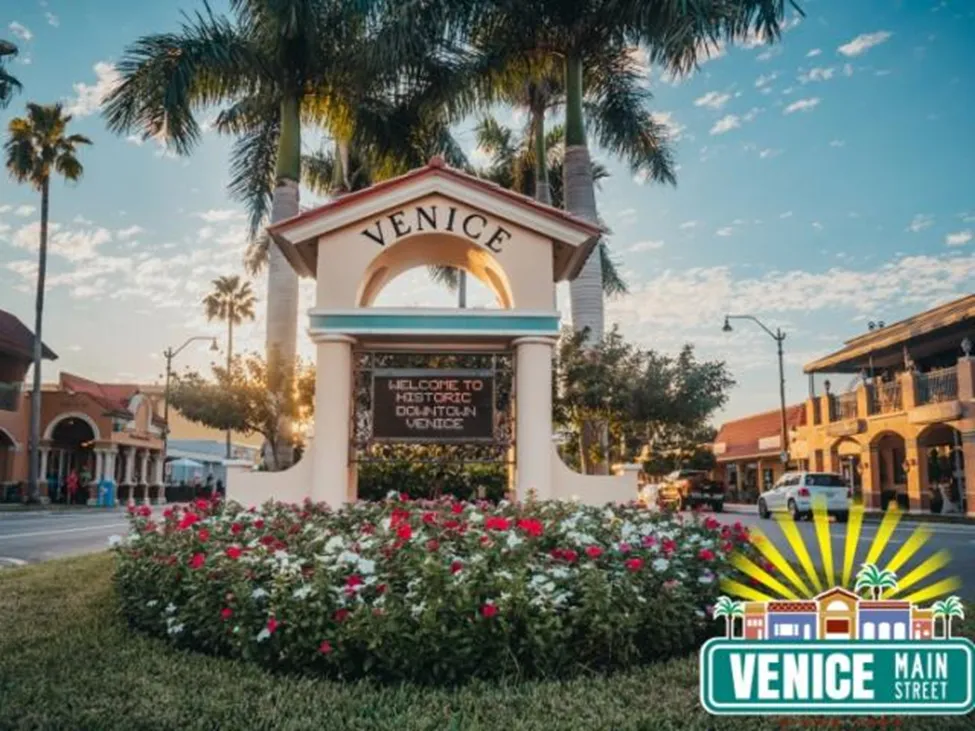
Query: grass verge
<point>68,662</point>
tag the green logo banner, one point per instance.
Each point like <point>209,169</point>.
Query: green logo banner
<point>838,677</point>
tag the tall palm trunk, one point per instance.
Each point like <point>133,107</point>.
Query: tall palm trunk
<point>580,198</point>
<point>282,280</point>
<point>230,356</point>
<point>543,192</point>
<point>586,290</point>
<point>33,478</point>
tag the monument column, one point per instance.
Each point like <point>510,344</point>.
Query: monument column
<point>533,417</point>
<point>333,415</point>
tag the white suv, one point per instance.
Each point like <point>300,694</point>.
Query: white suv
<point>795,492</point>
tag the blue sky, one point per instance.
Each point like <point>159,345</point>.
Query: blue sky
<point>823,183</point>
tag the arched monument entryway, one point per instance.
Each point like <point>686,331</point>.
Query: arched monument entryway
<point>354,247</point>
<point>944,467</point>
<point>71,439</point>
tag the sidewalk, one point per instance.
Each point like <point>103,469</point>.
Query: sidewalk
<point>874,515</point>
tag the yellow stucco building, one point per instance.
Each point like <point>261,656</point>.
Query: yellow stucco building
<point>901,429</point>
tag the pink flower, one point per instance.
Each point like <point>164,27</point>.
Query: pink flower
<point>236,528</point>
<point>669,545</point>
<point>226,613</point>
<point>456,566</point>
<point>649,541</point>
<point>429,518</point>
<point>144,511</point>
<point>233,552</point>
<point>433,544</point>
<point>633,564</point>
<point>341,615</point>
<point>594,551</point>
<point>404,498</point>
<point>706,554</point>
<point>457,508</point>
<point>197,560</point>
<point>711,523</point>
<point>624,548</point>
<point>204,535</point>
<point>325,647</point>
<point>272,625</point>
<point>259,523</point>
<point>488,610</point>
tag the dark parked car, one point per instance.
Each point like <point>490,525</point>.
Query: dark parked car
<point>689,489</point>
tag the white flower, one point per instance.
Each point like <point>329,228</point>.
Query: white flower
<point>303,592</point>
<point>660,564</point>
<point>175,629</point>
<point>348,557</point>
<point>263,635</point>
<point>114,540</point>
<point>366,566</point>
<point>333,544</point>
<point>417,609</point>
<point>706,579</point>
<point>258,593</point>
<point>514,541</point>
<point>152,603</point>
<point>170,608</point>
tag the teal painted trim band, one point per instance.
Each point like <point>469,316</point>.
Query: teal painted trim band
<point>405,323</point>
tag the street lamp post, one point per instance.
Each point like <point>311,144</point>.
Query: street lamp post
<point>170,354</point>
<point>778,336</point>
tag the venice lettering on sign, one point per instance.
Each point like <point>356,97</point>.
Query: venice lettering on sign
<point>473,226</point>
<point>449,407</point>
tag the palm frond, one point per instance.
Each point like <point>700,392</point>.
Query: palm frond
<point>253,157</point>
<point>613,283</point>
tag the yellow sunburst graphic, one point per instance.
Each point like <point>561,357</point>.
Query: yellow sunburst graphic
<point>911,586</point>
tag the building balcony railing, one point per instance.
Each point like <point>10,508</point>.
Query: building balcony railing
<point>844,407</point>
<point>10,396</point>
<point>885,398</point>
<point>937,386</point>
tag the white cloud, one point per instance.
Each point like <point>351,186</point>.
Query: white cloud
<point>863,43</point>
<point>766,79</point>
<point>21,31</point>
<point>802,105</point>
<point>959,238</point>
<point>817,74</point>
<point>817,225</point>
<point>641,246</point>
<point>726,231</point>
<point>687,225</point>
<point>82,220</point>
<point>24,210</point>
<point>769,53</point>
<point>52,19</point>
<point>6,207</point>
<point>88,98</point>
<point>219,215</point>
<point>787,214</point>
<point>712,100</point>
<point>128,233</point>
<point>674,128</point>
<point>726,124</point>
<point>769,152</point>
<point>73,245</point>
<point>814,52</point>
<point>837,143</point>
<point>920,222</point>
<point>848,69</point>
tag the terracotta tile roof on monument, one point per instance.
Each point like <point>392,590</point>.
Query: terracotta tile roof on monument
<point>786,607</point>
<point>17,339</point>
<point>741,437</point>
<point>437,166</point>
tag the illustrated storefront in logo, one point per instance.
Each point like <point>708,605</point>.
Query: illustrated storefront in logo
<point>836,652</point>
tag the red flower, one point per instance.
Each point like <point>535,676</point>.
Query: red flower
<point>197,560</point>
<point>404,531</point>
<point>168,513</point>
<point>236,528</point>
<point>259,523</point>
<point>399,516</point>
<point>727,546</point>
<point>649,541</point>
<point>233,552</point>
<point>456,566</point>
<point>711,523</point>
<point>433,544</point>
<point>485,540</point>
<point>204,535</point>
<point>353,581</point>
<point>457,508</point>
<point>488,610</point>
<point>188,520</point>
<point>451,524</point>
<point>404,498</point>
<point>725,531</point>
<point>531,526</point>
<point>669,545</point>
<point>144,511</point>
<point>496,522</point>
<point>594,551</point>
<point>341,615</point>
<point>267,540</point>
<point>202,505</point>
<point>706,554</point>
<point>325,647</point>
<point>633,564</point>
<point>429,518</point>
<point>381,589</point>
<point>272,625</point>
<point>226,613</point>
<point>150,527</point>
<point>368,529</point>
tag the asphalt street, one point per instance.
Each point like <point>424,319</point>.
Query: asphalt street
<point>30,537</point>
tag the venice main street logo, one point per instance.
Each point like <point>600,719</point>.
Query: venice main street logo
<point>864,645</point>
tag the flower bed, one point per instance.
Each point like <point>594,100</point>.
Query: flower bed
<point>427,591</point>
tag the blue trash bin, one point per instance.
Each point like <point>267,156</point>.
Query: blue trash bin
<point>106,494</point>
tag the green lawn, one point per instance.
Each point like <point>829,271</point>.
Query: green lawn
<point>68,662</point>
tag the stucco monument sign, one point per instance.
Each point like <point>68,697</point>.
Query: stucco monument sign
<point>354,246</point>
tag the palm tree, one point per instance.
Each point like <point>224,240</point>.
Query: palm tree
<point>231,301</point>
<point>948,609</point>
<point>8,83</point>
<point>729,609</point>
<point>37,147</point>
<point>875,580</point>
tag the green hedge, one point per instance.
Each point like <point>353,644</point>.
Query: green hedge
<point>431,480</point>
